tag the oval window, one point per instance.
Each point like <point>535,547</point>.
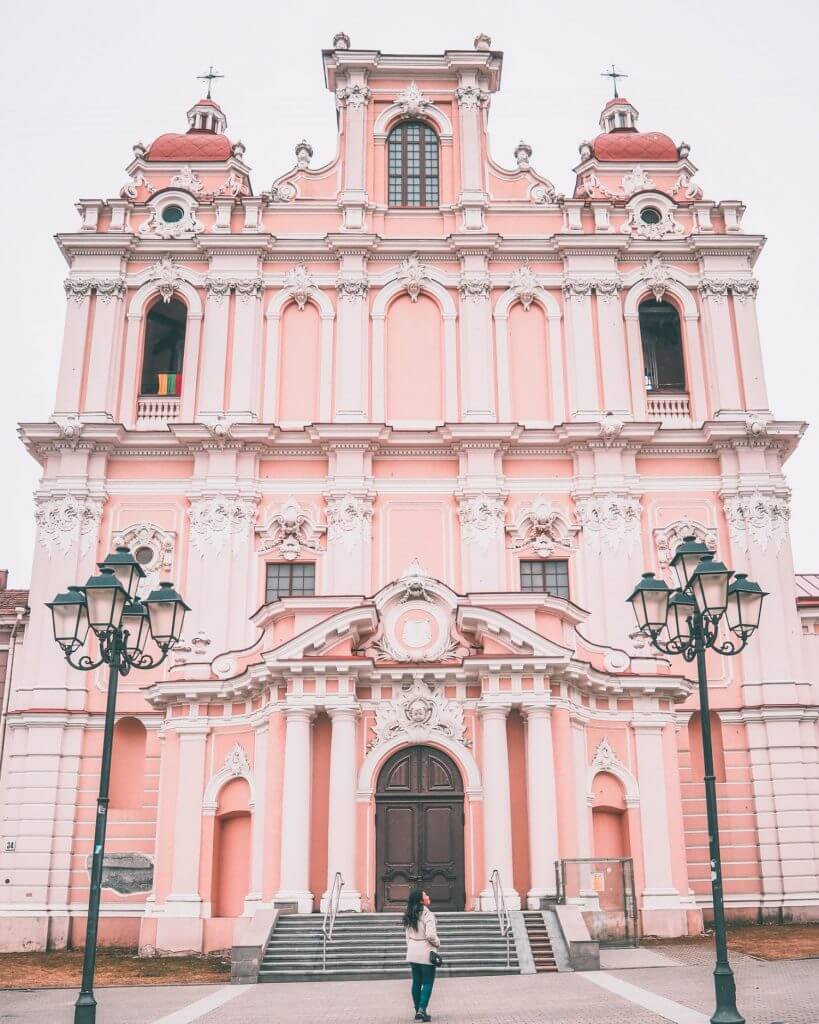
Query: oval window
<point>650,215</point>
<point>144,555</point>
<point>172,214</point>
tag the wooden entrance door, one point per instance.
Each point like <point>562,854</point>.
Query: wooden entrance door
<point>419,829</point>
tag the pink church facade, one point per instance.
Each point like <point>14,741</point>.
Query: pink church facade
<point>405,429</point>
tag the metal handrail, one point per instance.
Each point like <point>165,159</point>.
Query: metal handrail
<point>330,912</point>
<point>504,918</point>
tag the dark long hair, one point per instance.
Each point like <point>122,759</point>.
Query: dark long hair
<point>415,904</point>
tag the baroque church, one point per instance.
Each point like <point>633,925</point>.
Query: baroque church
<point>405,429</point>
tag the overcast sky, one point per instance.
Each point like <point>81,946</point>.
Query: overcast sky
<point>82,82</point>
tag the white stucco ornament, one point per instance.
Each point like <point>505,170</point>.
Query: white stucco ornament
<point>668,538</point>
<point>420,713</point>
<point>167,276</point>
<point>144,538</point>
<point>66,521</point>
<point>609,520</point>
<point>757,519</point>
<point>290,529</point>
<point>481,518</point>
<point>220,522</point>
<point>189,180</point>
<point>524,284</point>
<point>657,276</point>
<point>541,528</point>
<point>412,275</point>
<point>348,519</point>
<point>414,579</point>
<point>412,101</point>
<point>299,282</point>
<point>236,761</point>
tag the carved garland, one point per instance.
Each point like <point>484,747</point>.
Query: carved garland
<point>610,520</point>
<point>481,518</point>
<point>288,530</point>
<point>757,519</point>
<point>68,520</point>
<point>220,521</point>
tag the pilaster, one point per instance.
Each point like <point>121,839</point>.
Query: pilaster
<point>296,810</point>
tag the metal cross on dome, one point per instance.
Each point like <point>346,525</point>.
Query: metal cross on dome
<point>211,75</point>
<point>613,75</point>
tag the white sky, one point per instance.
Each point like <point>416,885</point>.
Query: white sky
<point>737,79</point>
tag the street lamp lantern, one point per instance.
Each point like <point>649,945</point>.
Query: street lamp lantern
<point>687,622</point>
<point>123,624</point>
<point>708,584</point>
<point>744,605</point>
<point>649,599</point>
<point>126,569</point>
<point>70,619</point>
<point>686,558</point>
<point>135,628</point>
<point>166,613</point>
<point>105,598</point>
<point>681,607</point>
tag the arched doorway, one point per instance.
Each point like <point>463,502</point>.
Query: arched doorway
<point>419,829</point>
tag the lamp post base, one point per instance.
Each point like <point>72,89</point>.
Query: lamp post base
<point>726,993</point>
<point>85,1009</point>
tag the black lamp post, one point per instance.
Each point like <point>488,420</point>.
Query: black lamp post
<point>107,606</point>
<point>687,621</point>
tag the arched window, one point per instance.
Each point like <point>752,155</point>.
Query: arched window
<point>662,346</point>
<point>164,348</point>
<point>413,165</point>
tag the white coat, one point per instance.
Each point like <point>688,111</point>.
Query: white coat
<point>422,939</point>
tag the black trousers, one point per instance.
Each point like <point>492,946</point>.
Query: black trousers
<point>423,978</point>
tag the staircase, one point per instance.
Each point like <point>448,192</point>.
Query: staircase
<point>367,946</point>
<point>539,941</point>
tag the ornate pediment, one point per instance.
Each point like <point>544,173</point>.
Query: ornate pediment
<point>420,712</point>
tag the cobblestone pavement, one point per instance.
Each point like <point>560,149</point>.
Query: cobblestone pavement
<point>768,991</point>
<point>784,991</point>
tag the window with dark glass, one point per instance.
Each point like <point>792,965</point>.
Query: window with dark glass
<point>164,348</point>
<point>541,576</point>
<point>412,152</point>
<point>290,579</point>
<point>662,347</point>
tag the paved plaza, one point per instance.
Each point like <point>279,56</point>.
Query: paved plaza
<point>783,992</point>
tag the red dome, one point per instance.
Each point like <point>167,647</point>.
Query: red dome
<point>197,145</point>
<point>635,146</point>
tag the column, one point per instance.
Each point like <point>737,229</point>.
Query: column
<point>215,345</point>
<point>497,806</point>
<point>472,99</point>
<point>662,913</point>
<point>69,379</point>
<point>180,925</point>
<point>243,403</point>
<point>580,766</point>
<point>584,398</point>
<point>477,398</point>
<point>636,368</point>
<point>350,403</point>
<point>720,348</point>
<point>353,99</point>
<point>341,837</point>
<point>105,352</point>
<point>749,347</point>
<point>259,819</point>
<point>296,810</point>
<point>542,802</point>
<point>612,347</point>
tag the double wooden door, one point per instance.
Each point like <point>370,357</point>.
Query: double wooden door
<point>419,827</point>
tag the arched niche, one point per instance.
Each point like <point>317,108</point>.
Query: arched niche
<point>414,362</point>
<point>231,850</point>
<point>299,374</point>
<point>127,786</point>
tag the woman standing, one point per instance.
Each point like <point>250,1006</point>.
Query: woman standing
<point>422,940</point>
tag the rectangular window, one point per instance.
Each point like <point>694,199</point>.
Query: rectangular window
<point>290,579</point>
<point>545,577</point>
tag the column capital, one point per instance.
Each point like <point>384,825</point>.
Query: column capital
<point>536,709</point>
<point>299,712</point>
<point>343,709</point>
<point>488,709</point>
